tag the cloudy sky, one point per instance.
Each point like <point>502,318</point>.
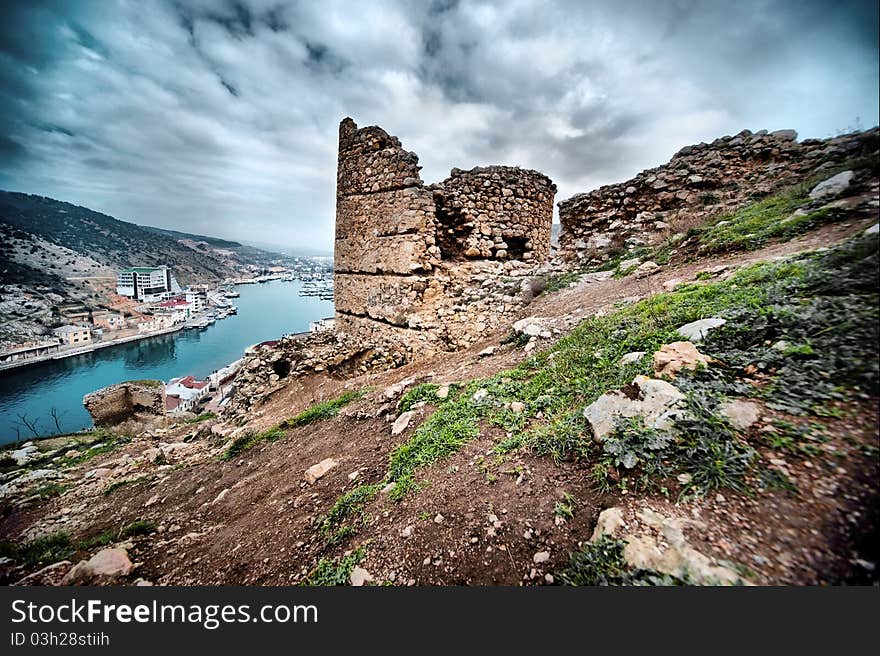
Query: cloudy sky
<point>221,117</point>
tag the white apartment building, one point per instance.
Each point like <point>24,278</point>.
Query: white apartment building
<point>197,299</point>
<point>147,284</point>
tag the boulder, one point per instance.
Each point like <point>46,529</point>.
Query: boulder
<point>394,390</point>
<point>359,576</point>
<point>697,330</point>
<point>656,402</point>
<point>48,575</point>
<point>610,521</point>
<point>105,566</point>
<point>141,401</point>
<point>629,358</point>
<point>533,327</point>
<point>741,414</point>
<point>646,269</point>
<point>785,135</point>
<point>672,358</point>
<point>658,543</point>
<point>317,471</point>
<point>626,265</point>
<point>402,422</point>
<point>833,186</point>
<point>24,454</point>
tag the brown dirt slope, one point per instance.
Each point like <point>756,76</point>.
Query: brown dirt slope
<point>477,518</point>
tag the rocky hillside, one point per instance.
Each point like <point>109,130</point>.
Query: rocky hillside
<point>32,224</point>
<point>53,252</point>
<point>700,410</point>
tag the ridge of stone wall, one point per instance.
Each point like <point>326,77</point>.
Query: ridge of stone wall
<point>699,181</point>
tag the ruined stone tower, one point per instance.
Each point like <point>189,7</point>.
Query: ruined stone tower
<point>407,255</point>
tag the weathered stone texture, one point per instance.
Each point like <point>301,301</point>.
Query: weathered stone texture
<point>371,160</point>
<point>412,262</point>
<point>386,232</point>
<point>700,181</point>
<point>130,401</point>
<point>392,299</point>
<point>498,212</point>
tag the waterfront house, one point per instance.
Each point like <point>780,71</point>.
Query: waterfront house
<point>158,322</point>
<point>108,320</point>
<point>176,307</point>
<point>71,335</point>
<point>183,394</point>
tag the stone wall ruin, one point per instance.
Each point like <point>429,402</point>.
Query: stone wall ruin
<point>700,181</point>
<point>408,256</point>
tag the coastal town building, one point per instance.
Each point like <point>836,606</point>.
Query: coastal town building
<point>177,307</point>
<point>183,394</point>
<point>197,298</point>
<point>156,323</point>
<point>71,335</point>
<point>108,320</point>
<point>29,351</point>
<point>149,284</point>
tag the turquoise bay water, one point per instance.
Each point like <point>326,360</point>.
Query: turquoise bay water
<point>265,311</point>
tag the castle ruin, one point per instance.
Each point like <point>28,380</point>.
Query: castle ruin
<point>408,256</point>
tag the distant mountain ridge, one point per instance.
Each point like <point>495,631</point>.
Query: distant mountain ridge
<point>176,234</point>
<point>112,243</point>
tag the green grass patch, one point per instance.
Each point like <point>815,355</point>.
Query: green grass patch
<point>322,411</point>
<point>110,489</point>
<point>39,551</point>
<point>517,340</point>
<point>346,516</point>
<point>564,508</point>
<point>101,447</point>
<point>425,392</point>
<point>51,490</point>
<point>205,416</point>
<point>773,218</point>
<point>135,529</point>
<point>336,571</point>
<point>558,281</point>
<point>439,436</point>
<point>249,440</point>
<point>794,439</point>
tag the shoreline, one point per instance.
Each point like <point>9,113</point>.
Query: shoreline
<point>61,355</point>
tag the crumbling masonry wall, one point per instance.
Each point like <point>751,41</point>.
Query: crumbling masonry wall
<point>407,254</point>
<point>700,181</point>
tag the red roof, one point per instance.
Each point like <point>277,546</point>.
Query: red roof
<point>191,383</point>
<point>173,302</point>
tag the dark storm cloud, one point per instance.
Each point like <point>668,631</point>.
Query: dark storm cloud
<point>221,116</point>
